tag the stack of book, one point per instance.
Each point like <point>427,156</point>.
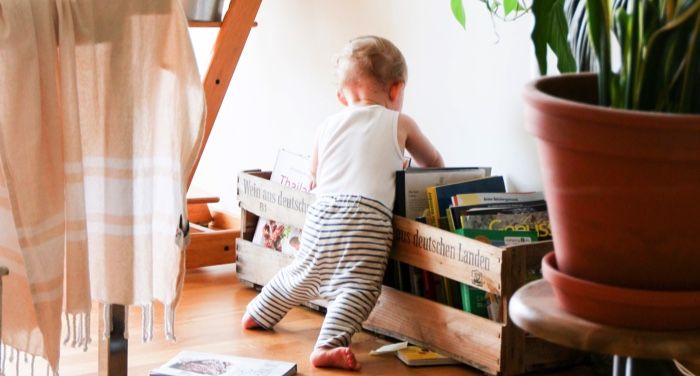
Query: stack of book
<point>412,202</point>
<point>473,204</point>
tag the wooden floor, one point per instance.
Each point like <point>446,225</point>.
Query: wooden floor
<point>207,320</point>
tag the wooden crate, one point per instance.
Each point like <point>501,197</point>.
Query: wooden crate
<point>491,346</point>
<point>213,234</point>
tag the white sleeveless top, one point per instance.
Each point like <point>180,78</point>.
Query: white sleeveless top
<point>358,153</point>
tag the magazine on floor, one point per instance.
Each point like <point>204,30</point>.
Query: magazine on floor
<point>190,363</point>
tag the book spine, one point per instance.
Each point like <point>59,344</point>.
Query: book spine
<point>428,285</point>
<point>400,194</point>
<point>434,211</point>
<point>451,220</point>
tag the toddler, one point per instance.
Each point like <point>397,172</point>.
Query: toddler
<point>348,231</point>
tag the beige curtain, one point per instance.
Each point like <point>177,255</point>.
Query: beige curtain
<point>101,114</point>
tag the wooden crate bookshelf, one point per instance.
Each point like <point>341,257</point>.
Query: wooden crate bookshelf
<point>495,347</point>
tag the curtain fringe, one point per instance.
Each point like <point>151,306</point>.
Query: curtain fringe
<point>107,319</point>
<point>77,330</point>
<point>170,323</point>
<point>12,356</point>
<point>88,339</point>
<point>68,328</point>
<point>147,322</point>
<point>126,322</point>
<point>77,334</point>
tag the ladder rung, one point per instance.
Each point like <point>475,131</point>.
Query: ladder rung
<point>202,200</point>
<point>210,23</point>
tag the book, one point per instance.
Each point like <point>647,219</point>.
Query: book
<point>291,170</point>
<point>451,291</point>
<point>416,282</point>
<point>417,356</point>
<point>495,197</point>
<point>454,213</point>
<point>421,281</point>
<point>190,363</point>
<point>440,196</point>
<point>474,300</point>
<point>519,218</point>
<point>411,183</point>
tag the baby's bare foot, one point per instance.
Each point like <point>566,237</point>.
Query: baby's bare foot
<point>248,323</point>
<point>337,357</point>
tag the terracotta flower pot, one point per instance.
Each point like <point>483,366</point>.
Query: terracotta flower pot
<point>622,187</point>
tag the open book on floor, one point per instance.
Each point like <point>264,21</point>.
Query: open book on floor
<point>189,363</point>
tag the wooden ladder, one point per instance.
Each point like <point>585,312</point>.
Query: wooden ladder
<point>213,242</point>
<point>233,33</point>
<point>232,36</point>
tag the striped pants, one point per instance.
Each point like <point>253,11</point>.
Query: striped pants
<point>344,249</point>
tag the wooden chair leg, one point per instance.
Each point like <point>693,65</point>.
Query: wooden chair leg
<point>3,272</point>
<point>113,352</point>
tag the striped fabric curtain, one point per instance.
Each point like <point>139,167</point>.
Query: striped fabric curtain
<point>101,116</point>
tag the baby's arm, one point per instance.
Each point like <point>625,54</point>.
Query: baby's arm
<point>414,141</point>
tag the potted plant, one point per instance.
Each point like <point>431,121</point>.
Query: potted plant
<point>620,156</point>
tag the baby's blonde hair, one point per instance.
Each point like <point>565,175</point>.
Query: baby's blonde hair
<point>371,57</point>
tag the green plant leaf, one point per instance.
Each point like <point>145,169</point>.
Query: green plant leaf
<point>625,31</point>
<point>635,53</point>
<point>551,30</point>
<point>622,27</point>
<point>509,6</point>
<point>662,75</point>
<point>689,88</point>
<point>599,24</point>
<point>458,12</point>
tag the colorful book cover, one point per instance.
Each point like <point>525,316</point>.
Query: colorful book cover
<point>531,218</point>
<point>291,170</point>
<point>454,213</point>
<point>417,356</point>
<point>440,196</point>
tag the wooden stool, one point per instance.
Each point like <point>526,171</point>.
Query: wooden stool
<point>534,309</point>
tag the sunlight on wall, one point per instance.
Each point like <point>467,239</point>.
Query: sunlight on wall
<point>464,87</point>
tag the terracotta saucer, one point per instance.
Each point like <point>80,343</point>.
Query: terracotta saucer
<point>623,307</point>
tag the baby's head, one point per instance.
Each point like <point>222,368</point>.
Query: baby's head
<point>371,61</point>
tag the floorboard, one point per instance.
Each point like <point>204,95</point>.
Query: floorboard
<point>207,320</point>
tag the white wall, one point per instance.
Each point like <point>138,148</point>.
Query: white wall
<point>464,87</point>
